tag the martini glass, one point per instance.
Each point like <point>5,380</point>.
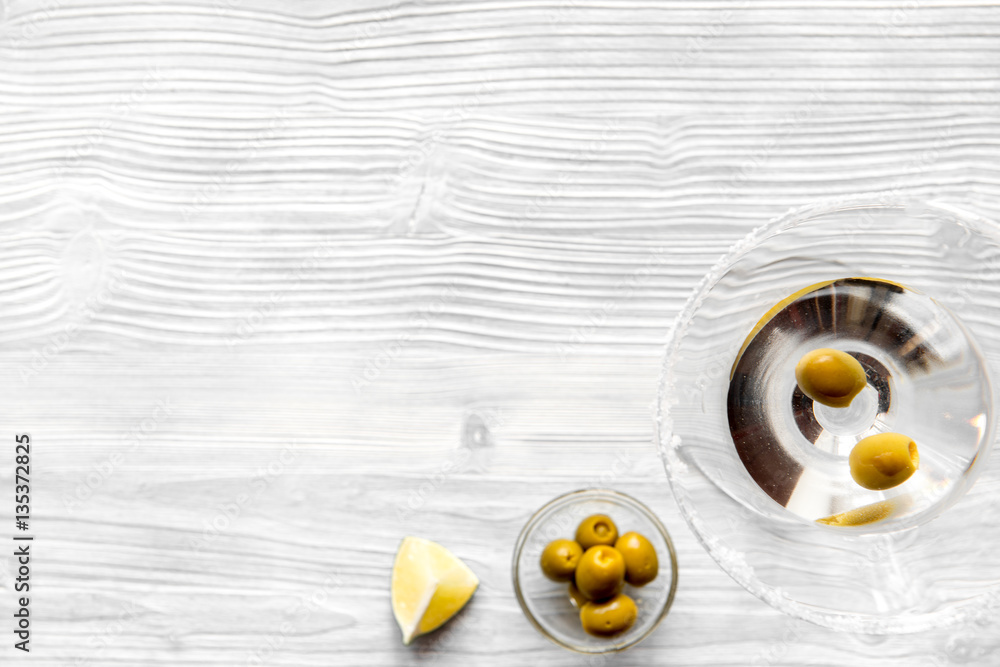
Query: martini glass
<point>912,291</point>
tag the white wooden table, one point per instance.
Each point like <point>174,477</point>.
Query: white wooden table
<point>285,282</point>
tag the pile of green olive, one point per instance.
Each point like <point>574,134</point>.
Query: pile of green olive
<point>597,564</point>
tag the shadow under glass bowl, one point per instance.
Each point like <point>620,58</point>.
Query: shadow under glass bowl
<point>753,464</point>
<point>546,603</point>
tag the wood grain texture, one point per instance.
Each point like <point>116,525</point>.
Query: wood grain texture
<point>664,56</point>
<point>283,284</point>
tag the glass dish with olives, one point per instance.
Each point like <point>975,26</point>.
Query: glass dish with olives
<point>594,571</point>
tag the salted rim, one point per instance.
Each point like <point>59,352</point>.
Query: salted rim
<point>663,424</point>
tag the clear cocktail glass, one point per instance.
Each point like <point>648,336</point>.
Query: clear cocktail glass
<point>911,290</point>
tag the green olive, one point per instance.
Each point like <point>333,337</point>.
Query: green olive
<point>600,573</point>
<point>610,617</point>
<point>885,460</point>
<point>576,598</point>
<point>830,377</point>
<point>641,563</point>
<point>596,529</point>
<point>559,559</point>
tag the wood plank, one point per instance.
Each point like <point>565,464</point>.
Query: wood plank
<point>559,56</point>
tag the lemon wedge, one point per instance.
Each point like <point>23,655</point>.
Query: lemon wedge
<point>860,516</point>
<point>429,586</point>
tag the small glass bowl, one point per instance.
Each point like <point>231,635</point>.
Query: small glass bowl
<point>547,604</point>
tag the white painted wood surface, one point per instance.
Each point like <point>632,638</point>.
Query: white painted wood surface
<point>284,283</point>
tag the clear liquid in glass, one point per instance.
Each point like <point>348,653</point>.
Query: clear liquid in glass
<point>926,379</point>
